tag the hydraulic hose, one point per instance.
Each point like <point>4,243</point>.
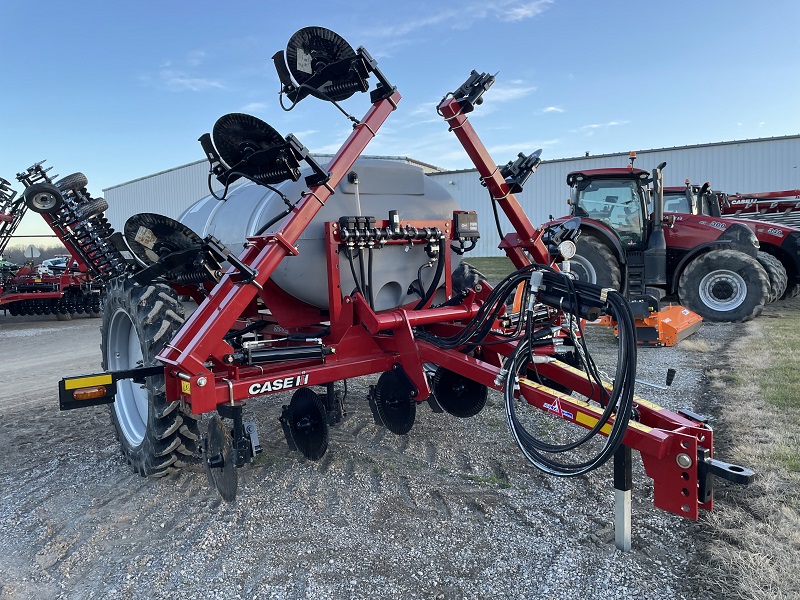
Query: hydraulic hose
<point>619,404</point>
<point>437,277</point>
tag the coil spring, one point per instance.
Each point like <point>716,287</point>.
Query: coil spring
<point>193,277</point>
<point>343,88</point>
<point>277,175</point>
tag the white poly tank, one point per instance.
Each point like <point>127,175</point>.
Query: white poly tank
<point>383,185</point>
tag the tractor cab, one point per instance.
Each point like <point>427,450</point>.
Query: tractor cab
<point>694,200</point>
<point>616,204</point>
<point>617,198</point>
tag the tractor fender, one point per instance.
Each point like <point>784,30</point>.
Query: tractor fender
<point>742,238</point>
<point>606,235</point>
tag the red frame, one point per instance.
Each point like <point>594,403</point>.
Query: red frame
<point>198,375</point>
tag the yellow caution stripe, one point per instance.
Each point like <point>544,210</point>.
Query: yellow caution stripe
<point>88,381</point>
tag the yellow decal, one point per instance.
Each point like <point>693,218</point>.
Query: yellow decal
<point>186,387</point>
<point>647,404</point>
<point>82,382</point>
<point>590,422</point>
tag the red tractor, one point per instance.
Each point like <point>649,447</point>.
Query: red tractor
<point>779,251</point>
<point>351,269</point>
<point>710,266</point>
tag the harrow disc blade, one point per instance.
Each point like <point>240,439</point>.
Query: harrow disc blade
<point>458,395</point>
<point>307,423</point>
<point>395,407</point>
<point>219,460</point>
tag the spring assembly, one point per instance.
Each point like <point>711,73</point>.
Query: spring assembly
<point>193,277</point>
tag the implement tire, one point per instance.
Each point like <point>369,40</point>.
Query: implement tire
<point>776,273</point>
<point>70,183</point>
<point>724,286</point>
<point>155,436</point>
<point>94,207</point>
<point>595,263</point>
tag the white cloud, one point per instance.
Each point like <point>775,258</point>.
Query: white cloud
<point>526,10</point>
<point>553,109</point>
<point>590,129</point>
<point>509,93</point>
<point>255,107</point>
<point>466,14</point>
<point>179,81</point>
<point>195,57</point>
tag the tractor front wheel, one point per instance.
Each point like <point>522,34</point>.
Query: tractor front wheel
<point>724,286</point>
<point>155,436</point>
<point>595,263</point>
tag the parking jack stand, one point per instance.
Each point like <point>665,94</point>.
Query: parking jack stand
<point>623,483</point>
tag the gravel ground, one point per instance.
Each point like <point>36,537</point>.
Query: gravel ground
<point>451,510</point>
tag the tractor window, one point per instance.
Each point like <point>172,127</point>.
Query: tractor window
<point>618,204</point>
<point>676,203</point>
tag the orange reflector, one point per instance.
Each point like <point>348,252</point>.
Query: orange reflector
<point>90,393</point>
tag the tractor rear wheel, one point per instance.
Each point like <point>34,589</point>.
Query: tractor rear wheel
<point>724,286</point>
<point>776,273</point>
<point>595,263</point>
<point>155,436</point>
<point>792,290</point>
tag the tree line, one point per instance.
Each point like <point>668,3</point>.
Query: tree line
<point>16,254</point>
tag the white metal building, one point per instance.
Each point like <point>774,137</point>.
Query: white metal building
<point>757,165</point>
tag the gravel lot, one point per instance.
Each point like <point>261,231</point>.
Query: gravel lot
<point>451,510</point>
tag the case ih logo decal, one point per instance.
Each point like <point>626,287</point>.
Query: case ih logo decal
<point>281,383</point>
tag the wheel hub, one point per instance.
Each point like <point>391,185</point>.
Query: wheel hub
<point>125,352</point>
<point>583,269</point>
<point>723,290</point>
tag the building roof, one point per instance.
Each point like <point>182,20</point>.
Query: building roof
<point>627,153</point>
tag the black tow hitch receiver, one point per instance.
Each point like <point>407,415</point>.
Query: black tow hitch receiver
<point>708,467</point>
<point>100,388</point>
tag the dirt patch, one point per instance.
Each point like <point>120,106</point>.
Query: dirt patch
<point>450,510</point>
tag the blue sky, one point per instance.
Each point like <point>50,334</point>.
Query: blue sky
<point>119,90</point>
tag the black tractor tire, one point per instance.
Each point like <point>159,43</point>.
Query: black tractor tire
<point>724,286</point>
<point>97,206</point>
<point>76,181</point>
<point>776,273</point>
<point>155,436</point>
<point>792,290</point>
<point>595,263</point>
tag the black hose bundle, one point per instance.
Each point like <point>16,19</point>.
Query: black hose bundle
<point>618,404</point>
<point>577,300</point>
